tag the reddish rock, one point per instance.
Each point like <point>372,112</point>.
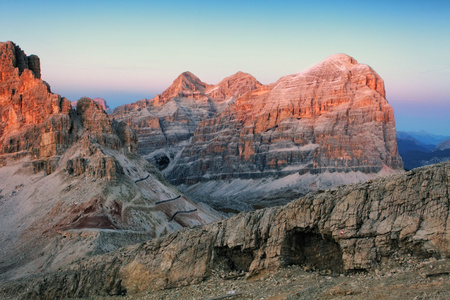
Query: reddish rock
<point>166,123</point>
<point>100,101</point>
<point>332,117</point>
<point>27,106</point>
<point>67,175</point>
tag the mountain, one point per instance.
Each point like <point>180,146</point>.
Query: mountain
<point>166,123</point>
<point>416,154</point>
<point>100,101</point>
<point>382,227</point>
<point>407,142</point>
<point>72,183</point>
<point>269,144</point>
<point>424,137</point>
<point>443,145</point>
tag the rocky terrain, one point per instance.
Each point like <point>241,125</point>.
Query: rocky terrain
<point>406,278</point>
<point>391,232</point>
<point>269,144</point>
<point>72,183</point>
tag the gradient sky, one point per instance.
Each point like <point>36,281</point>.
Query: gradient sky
<point>127,50</point>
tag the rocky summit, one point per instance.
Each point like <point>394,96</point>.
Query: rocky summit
<point>166,123</point>
<point>360,228</point>
<point>100,101</point>
<point>268,144</point>
<point>72,183</point>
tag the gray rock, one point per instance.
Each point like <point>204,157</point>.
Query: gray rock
<point>333,230</point>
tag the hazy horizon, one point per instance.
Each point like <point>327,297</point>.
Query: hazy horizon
<point>124,52</point>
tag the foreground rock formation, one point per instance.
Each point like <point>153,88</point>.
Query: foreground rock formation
<point>72,183</point>
<point>346,229</point>
<point>326,126</point>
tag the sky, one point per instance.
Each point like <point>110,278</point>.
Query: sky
<point>124,51</point>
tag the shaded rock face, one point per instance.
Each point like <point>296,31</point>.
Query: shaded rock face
<point>166,123</point>
<point>68,175</point>
<point>346,229</point>
<point>445,145</point>
<point>416,153</point>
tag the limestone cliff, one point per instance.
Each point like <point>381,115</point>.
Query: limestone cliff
<point>240,145</point>
<point>346,229</point>
<point>328,125</point>
<point>166,123</point>
<point>72,183</point>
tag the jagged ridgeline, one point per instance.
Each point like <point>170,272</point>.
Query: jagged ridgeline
<point>240,145</point>
<point>72,183</point>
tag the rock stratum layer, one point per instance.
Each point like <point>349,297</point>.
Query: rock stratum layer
<point>328,125</point>
<point>72,183</point>
<point>349,228</point>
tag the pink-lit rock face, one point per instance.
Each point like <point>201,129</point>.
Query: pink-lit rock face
<point>37,122</point>
<point>166,123</point>
<point>332,117</point>
<point>32,118</point>
<point>67,175</point>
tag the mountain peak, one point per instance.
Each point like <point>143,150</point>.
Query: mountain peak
<point>341,57</point>
<point>184,85</point>
<point>338,67</point>
<point>99,101</point>
<point>234,86</point>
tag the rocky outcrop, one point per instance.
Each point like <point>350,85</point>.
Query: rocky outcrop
<point>72,181</point>
<point>100,101</point>
<point>346,229</point>
<point>27,107</point>
<point>166,123</point>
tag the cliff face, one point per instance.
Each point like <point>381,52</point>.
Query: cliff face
<point>331,120</point>
<point>333,117</point>
<point>72,182</point>
<point>350,228</point>
<point>241,140</point>
<point>27,107</point>
<point>166,123</point>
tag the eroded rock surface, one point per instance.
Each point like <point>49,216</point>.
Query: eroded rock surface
<point>346,229</point>
<point>72,183</point>
<point>326,126</point>
<point>166,123</point>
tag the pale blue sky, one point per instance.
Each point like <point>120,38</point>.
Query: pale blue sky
<point>127,50</point>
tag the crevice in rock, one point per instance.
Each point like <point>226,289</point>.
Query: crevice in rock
<point>312,250</point>
<point>162,161</point>
<point>235,258</point>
